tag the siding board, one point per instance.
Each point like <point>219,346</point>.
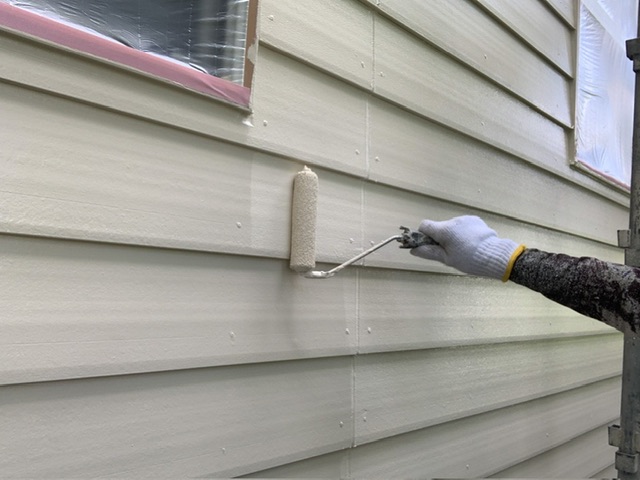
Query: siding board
<point>385,209</point>
<point>537,24</point>
<point>404,391</point>
<point>75,76</point>
<point>216,422</point>
<point>447,92</point>
<point>475,39</point>
<point>566,9</point>
<point>335,36</point>
<point>130,181</point>
<point>568,460</point>
<point>422,157</point>
<point>473,447</point>
<point>409,311</point>
<point>609,472</point>
<point>98,83</point>
<point>151,326</point>
<point>296,102</point>
<point>308,115</point>
<point>460,448</point>
<point>74,309</point>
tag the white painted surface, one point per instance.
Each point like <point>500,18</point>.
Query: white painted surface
<point>471,447</point>
<point>540,27</point>
<point>404,391</point>
<point>73,309</point>
<point>150,325</point>
<point>567,460</point>
<point>566,9</point>
<point>459,28</point>
<point>216,422</point>
<point>332,35</point>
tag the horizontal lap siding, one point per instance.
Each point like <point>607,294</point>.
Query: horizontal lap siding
<point>442,89</point>
<point>145,241</point>
<point>73,310</point>
<point>129,181</point>
<point>539,27</point>
<point>476,446</point>
<point>569,460</point>
<point>217,422</point>
<point>478,43</point>
<point>403,391</point>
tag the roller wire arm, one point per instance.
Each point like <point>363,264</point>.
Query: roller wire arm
<point>407,238</point>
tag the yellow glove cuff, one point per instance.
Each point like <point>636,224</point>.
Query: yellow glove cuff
<point>514,256</point>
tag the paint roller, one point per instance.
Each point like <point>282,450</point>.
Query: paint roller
<point>304,212</point>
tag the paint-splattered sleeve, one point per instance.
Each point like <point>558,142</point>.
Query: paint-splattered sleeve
<point>605,291</point>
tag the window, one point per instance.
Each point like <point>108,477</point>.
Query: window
<point>605,89</point>
<point>201,44</point>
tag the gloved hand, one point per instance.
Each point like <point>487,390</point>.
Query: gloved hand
<point>469,245</point>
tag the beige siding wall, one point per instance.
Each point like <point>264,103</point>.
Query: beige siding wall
<point>150,325</point>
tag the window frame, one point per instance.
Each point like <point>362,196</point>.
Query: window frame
<point>30,24</point>
<point>576,162</point>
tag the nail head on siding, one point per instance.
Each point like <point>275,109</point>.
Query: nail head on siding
<point>377,159</point>
<point>347,331</point>
<point>369,330</point>
<point>341,424</point>
<point>351,240</point>
<point>224,451</point>
<point>238,224</point>
<point>271,17</point>
<point>232,335</point>
<point>357,152</point>
<point>265,123</point>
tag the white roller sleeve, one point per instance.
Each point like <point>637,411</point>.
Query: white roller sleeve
<point>304,212</point>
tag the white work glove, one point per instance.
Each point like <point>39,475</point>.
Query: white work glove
<point>469,245</point>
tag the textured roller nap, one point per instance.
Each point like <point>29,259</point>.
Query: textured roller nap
<point>303,221</point>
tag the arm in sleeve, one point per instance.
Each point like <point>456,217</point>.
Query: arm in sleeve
<point>606,291</point>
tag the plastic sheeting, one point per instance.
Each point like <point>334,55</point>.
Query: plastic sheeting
<point>209,35</point>
<point>605,87</point>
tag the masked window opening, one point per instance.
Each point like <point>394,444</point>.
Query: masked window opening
<point>605,89</point>
<point>208,35</point>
